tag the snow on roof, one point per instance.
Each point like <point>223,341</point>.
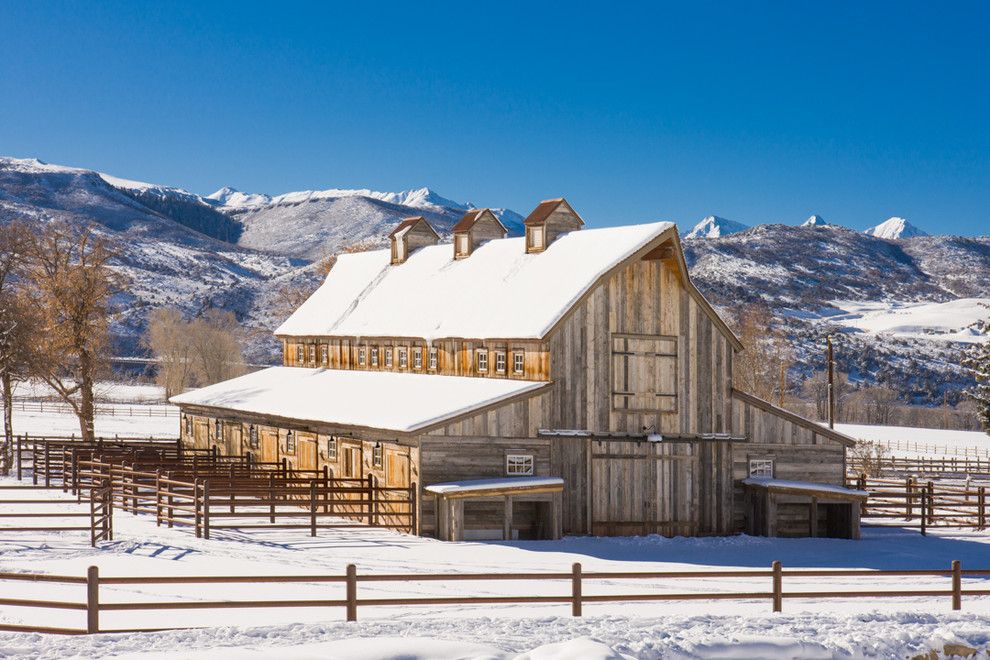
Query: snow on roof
<point>381,400</point>
<point>499,292</point>
<point>807,486</point>
<point>492,484</point>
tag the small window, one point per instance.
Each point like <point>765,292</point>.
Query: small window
<point>403,358</point>
<point>417,358</point>
<point>253,437</point>
<point>761,467</point>
<point>462,244</point>
<point>332,449</point>
<point>499,362</point>
<point>362,356</point>
<point>312,353</point>
<point>482,360</point>
<point>325,354</point>
<point>518,360</point>
<point>217,429</point>
<point>300,354</point>
<point>290,443</point>
<point>388,357</point>
<point>536,237</point>
<point>433,359</point>
<point>376,455</point>
<point>519,465</point>
<point>374,357</point>
<point>188,424</point>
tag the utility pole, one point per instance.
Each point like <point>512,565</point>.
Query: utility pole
<point>783,382</point>
<point>831,383</point>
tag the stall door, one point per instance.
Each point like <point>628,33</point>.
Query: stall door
<point>306,458</point>
<point>397,477</point>
<point>269,445</point>
<point>201,434</point>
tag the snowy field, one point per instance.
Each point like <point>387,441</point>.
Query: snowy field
<point>953,321</point>
<point>909,442</point>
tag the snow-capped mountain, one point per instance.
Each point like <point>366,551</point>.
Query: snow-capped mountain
<point>713,226</point>
<point>816,221</point>
<point>895,228</point>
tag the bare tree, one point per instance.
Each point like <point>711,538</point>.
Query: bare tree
<point>879,404</point>
<point>216,348</point>
<point>815,390</point>
<point>167,339</point>
<point>762,366</point>
<point>71,286</point>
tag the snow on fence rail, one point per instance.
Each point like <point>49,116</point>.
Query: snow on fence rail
<point>106,409</point>
<point>577,579</point>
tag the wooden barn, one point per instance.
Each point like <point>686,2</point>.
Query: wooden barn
<point>571,381</point>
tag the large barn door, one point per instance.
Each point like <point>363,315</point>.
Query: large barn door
<point>643,488</point>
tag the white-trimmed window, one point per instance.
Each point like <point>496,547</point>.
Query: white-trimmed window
<point>417,358</point>
<point>300,354</point>
<point>536,238</point>
<point>312,353</point>
<point>518,362</point>
<point>482,361</point>
<point>377,455</point>
<point>325,354</point>
<point>761,467</point>
<point>374,357</point>
<point>433,359</point>
<point>500,362</point>
<point>403,358</point>
<point>332,448</point>
<point>362,356</point>
<point>519,465</point>
<point>388,357</point>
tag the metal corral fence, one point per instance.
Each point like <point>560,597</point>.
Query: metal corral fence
<point>577,579</point>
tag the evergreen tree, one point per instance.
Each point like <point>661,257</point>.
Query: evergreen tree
<point>977,361</point>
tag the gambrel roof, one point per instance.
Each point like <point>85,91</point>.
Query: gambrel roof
<point>500,292</point>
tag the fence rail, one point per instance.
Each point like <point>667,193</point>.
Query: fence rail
<point>924,503</point>
<point>104,409</point>
<point>771,590</point>
<point>974,467</point>
<point>935,448</point>
<point>98,516</point>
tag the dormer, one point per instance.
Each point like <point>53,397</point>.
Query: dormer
<point>410,235</point>
<point>476,227</point>
<point>549,220</point>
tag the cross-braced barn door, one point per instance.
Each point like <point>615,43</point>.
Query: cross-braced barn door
<point>643,488</point>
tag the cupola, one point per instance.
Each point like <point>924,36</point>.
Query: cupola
<point>550,219</point>
<point>411,234</point>
<point>476,227</point>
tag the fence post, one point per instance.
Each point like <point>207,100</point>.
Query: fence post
<point>206,508</point>
<point>171,499</point>
<point>413,513</point>
<point>981,513</point>
<point>271,498</point>
<point>92,600</point>
<point>158,497</point>
<point>371,498</point>
<point>326,487</point>
<point>576,589</point>
<point>351,592</point>
<point>931,503</point>
<point>956,585</point>
<point>924,512</point>
<point>312,507</point>
<point>909,500</point>
<point>778,587</point>
<point>48,472</point>
<point>197,521</point>
<point>19,456</point>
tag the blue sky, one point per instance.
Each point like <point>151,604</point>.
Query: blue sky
<point>759,112</point>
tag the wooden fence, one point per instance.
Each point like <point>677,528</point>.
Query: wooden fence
<point>99,515</point>
<point>577,579</point>
<point>935,448</point>
<point>921,465</point>
<point>102,409</point>
<point>924,503</point>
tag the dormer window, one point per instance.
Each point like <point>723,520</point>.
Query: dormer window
<point>482,360</point>
<point>473,229</point>
<point>550,219</point>
<point>417,358</point>
<point>374,357</point>
<point>433,358</point>
<point>410,235</point>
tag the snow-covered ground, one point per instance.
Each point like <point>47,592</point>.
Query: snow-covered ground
<point>104,391</point>
<point>862,627</point>
<point>953,321</point>
<point>908,442</point>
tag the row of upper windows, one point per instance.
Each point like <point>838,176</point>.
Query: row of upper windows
<point>376,357</point>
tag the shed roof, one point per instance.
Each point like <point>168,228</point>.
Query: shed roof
<point>812,489</point>
<point>479,487</point>
<point>500,292</point>
<point>400,402</point>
